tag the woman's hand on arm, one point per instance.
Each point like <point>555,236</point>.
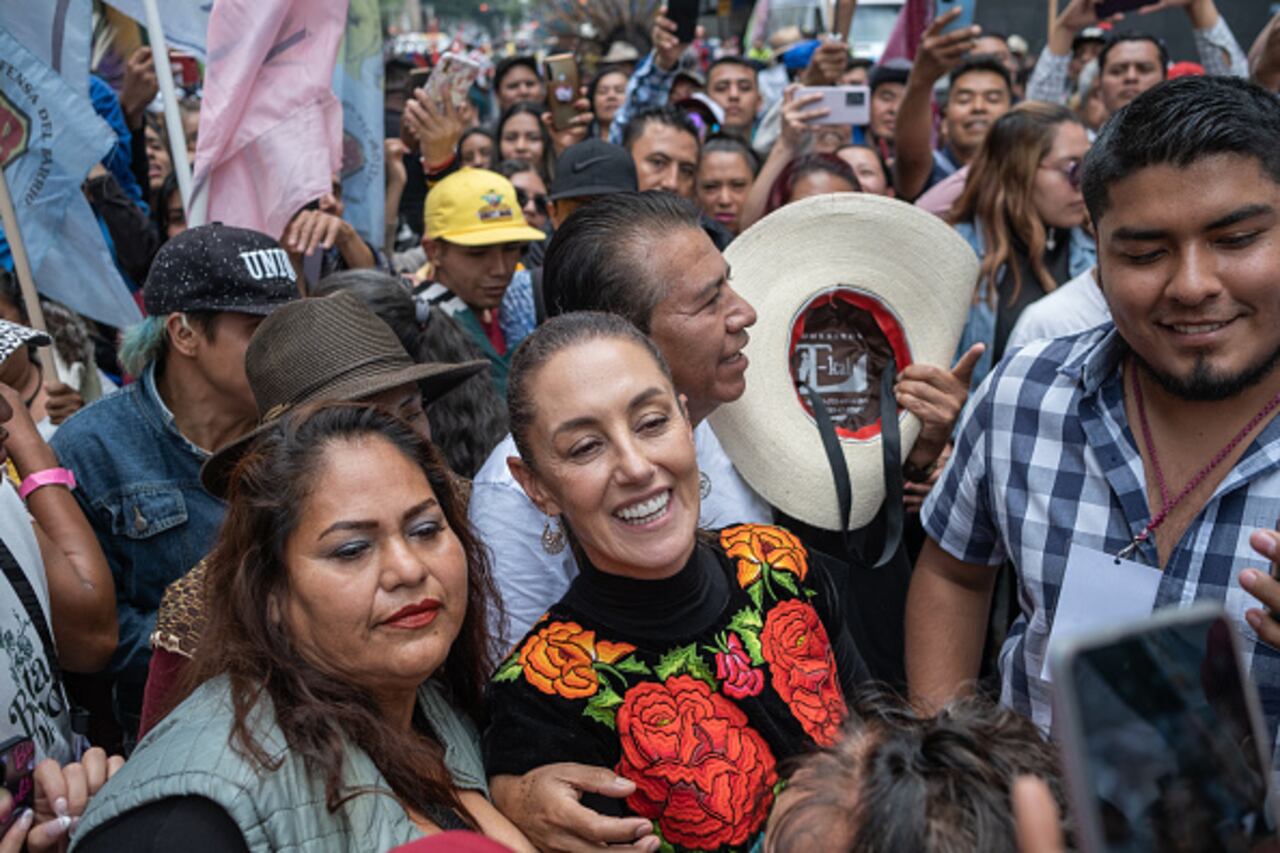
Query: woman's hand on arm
<point>545,804</point>
<point>63,793</point>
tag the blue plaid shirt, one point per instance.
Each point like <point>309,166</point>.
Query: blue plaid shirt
<point>1044,457</point>
<point>649,86</point>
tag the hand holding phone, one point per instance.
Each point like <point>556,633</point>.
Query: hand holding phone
<point>1162,737</point>
<point>562,89</point>
<point>965,18</point>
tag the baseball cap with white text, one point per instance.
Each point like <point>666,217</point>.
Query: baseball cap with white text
<point>218,267</point>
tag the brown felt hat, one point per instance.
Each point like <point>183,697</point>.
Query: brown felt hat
<point>325,348</point>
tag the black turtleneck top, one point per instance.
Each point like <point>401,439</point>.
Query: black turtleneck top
<point>694,686</point>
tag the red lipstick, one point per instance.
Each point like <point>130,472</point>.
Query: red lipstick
<point>414,616</point>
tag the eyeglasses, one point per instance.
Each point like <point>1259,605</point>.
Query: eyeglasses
<point>539,201</point>
<point>1072,171</point>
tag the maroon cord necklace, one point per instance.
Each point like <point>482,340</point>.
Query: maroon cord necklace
<point>1166,505</point>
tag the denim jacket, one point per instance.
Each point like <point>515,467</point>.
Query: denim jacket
<point>981,323</point>
<point>139,486</point>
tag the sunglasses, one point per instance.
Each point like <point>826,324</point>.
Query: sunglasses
<point>1073,172</point>
<point>539,201</point>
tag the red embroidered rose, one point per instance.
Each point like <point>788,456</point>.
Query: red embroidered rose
<point>734,669</point>
<point>802,669</point>
<point>700,771</point>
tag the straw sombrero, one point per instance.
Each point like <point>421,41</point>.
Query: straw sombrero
<point>840,282</point>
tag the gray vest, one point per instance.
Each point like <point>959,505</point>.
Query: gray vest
<point>188,754</point>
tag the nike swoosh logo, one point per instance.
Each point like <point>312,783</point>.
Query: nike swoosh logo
<point>585,164</point>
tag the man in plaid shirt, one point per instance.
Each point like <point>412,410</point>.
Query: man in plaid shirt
<point>1163,422</point>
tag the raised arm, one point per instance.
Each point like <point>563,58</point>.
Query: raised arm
<point>913,134</point>
<point>650,84</point>
<point>82,602</point>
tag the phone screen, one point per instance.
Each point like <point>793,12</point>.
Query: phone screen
<point>1107,8</point>
<point>965,19</point>
<point>684,13</point>
<point>1171,759</point>
<point>18,762</point>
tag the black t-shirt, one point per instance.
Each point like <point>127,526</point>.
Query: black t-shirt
<point>189,824</point>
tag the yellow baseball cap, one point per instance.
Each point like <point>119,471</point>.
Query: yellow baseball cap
<point>476,207</point>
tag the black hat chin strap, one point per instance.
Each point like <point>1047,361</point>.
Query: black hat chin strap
<point>891,444</point>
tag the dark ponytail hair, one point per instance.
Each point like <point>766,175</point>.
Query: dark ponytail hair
<point>551,337</point>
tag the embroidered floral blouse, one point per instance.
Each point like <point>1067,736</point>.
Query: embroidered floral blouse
<point>694,687</point>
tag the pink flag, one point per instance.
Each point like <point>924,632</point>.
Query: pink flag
<point>913,20</point>
<point>270,134</point>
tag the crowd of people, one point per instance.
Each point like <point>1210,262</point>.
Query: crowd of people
<point>443,542</point>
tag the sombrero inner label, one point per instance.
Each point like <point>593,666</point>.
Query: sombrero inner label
<point>841,341</point>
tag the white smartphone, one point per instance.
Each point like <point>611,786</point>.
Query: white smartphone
<point>849,105</point>
<point>1162,737</point>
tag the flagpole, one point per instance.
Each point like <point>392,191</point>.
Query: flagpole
<point>26,282</point>
<point>169,96</point>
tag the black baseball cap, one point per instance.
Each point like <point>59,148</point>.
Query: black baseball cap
<point>220,268</point>
<point>593,167</point>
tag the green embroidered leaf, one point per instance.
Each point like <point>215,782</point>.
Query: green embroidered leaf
<point>756,591</point>
<point>684,660</point>
<point>630,664</point>
<point>603,707</point>
<point>698,669</point>
<point>675,661</point>
<point>664,846</point>
<point>509,671</point>
<point>810,592</point>
<point>787,582</point>
<point>747,624</point>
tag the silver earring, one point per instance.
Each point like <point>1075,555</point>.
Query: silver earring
<point>552,537</point>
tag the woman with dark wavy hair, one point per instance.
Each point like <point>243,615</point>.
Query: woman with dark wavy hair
<point>332,701</point>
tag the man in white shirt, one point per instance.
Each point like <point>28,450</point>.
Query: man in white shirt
<point>1074,307</point>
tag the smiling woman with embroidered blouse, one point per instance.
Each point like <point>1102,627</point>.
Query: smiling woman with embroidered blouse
<point>689,663</point>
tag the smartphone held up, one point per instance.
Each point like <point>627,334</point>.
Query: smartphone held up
<point>1162,737</point>
<point>562,88</point>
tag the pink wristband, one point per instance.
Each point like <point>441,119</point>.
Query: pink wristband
<point>47,477</point>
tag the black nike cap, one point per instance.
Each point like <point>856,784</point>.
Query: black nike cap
<point>593,167</point>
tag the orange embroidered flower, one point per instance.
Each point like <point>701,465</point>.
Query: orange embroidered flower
<point>560,659</point>
<point>760,546</point>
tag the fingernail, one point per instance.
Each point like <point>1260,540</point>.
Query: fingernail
<point>26,817</point>
<point>59,827</point>
<point>1254,618</point>
<point>642,831</point>
<point>60,806</point>
<point>1248,578</point>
